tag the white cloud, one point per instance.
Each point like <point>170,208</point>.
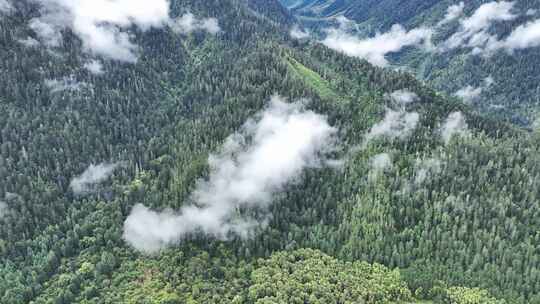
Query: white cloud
<point>474,32</point>
<point>94,174</point>
<point>489,81</point>
<point>102,24</point>
<point>454,12</point>
<point>5,6</point>
<point>403,96</point>
<point>271,151</point>
<point>426,168</point>
<point>3,209</point>
<point>298,33</point>
<point>64,84</point>
<point>455,124</point>
<point>28,42</point>
<point>524,36</point>
<point>380,163</point>
<point>536,124</point>
<point>376,48</point>
<point>94,66</point>
<point>469,93</point>
<point>47,32</point>
<point>396,124</point>
<point>189,23</point>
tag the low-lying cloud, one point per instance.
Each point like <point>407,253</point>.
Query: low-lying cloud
<point>380,164</point>
<point>426,168</point>
<point>3,209</point>
<point>395,125</point>
<point>376,48</point>
<point>453,12</point>
<point>454,125</point>
<point>474,32</point>
<point>95,174</point>
<point>269,152</point>
<point>298,33</point>
<point>64,84</point>
<point>403,97</point>
<point>470,94</point>
<point>94,66</point>
<point>189,23</point>
<point>102,25</point>
<point>523,37</point>
<point>5,7</point>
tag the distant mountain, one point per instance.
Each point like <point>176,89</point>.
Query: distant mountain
<point>515,92</point>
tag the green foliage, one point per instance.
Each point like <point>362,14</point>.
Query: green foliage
<point>475,223</point>
<point>461,295</point>
<point>308,276</point>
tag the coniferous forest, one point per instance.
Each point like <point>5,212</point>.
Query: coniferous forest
<point>195,152</point>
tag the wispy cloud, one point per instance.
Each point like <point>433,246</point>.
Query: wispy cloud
<point>269,152</point>
<point>426,168</point>
<point>474,32</point>
<point>189,23</point>
<point>93,175</point>
<point>298,33</point>
<point>94,66</point>
<point>5,6</point>
<point>454,125</point>
<point>395,125</point>
<point>470,94</point>
<point>103,25</point>
<point>376,48</point>
<point>453,12</point>
<point>403,97</point>
<point>3,209</point>
<point>523,37</point>
<point>64,84</point>
<point>28,42</point>
<point>380,164</point>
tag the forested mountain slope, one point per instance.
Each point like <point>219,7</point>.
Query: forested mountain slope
<point>514,92</point>
<point>445,198</point>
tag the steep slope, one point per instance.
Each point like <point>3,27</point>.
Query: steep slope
<point>514,94</point>
<point>420,185</point>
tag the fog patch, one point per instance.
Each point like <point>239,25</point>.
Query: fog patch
<point>269,152</point>
<point>189,23</point>
<point>376,48</point>
<point>104,26</point>
<point>87,182</point>
<point>298,33</point>
<point>403,97</point>
<point>426,169</point>
<point>94,66</point>
<point>395,125</point>
<point>454,125</point>
<point>64,84</point>
<point>5,7</point>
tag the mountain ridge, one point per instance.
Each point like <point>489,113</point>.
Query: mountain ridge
<point>513,96</point>
<point>417,182</point>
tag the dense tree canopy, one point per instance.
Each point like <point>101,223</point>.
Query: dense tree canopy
<point>443,215</point>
